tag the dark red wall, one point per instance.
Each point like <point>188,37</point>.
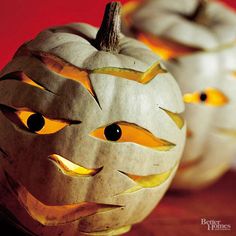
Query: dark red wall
<point>21,20</point>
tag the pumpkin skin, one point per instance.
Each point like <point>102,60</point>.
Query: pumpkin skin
<point>61,75</point>
<point>198,43</point>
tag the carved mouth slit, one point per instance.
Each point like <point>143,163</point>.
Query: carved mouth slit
<point>71,169</point>
<point>148,181</point>
<point>55,215</point>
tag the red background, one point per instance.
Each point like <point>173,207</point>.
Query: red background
<point>21,20</point>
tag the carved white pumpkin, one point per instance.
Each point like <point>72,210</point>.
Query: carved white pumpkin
<point>90,131</point>
<point>198,38</point>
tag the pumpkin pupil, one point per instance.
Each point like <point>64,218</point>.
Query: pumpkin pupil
<point>203,97</point>
<point>113,132</point>
<point>35,122</point>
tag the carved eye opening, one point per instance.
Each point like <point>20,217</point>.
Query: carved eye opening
<point>37,123</point>
<point>34,122</point>
<point>210,97</point>
<point>128,132</point>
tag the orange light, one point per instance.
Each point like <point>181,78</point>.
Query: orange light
<point>27,80</point>
<point>166,49</point>
<point>178,120</point>
<point>50,126</point>
<point>149,181</point>
<point>55,215</point>
<point>71,169</point>
<point>212,97</point>
<point>138,76</point>
<point>67,70</point>
<point>135,134</point>
<point>127,10</point>
<point>72,72</point>
<point>22,77</point>
<point>234,74</point>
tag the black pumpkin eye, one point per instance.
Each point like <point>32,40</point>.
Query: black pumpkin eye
<point>113,132</point>
<point>203,97</point>
<point>35,122</point>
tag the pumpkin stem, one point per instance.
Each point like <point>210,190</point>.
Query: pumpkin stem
<point>108,36</point>
<point>201,7</point>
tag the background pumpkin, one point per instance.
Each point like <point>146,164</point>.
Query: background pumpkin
<point>197,38</point>
<point>91,132</point>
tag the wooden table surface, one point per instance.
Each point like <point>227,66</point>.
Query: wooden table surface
<point>180,213</point>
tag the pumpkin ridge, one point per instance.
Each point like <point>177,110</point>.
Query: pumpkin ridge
<point>70,30</point>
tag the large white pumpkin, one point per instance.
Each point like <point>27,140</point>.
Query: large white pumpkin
<point>91,135</point>
<point>197,38</point>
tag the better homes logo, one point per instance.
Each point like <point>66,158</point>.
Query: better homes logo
<point>215,225</point>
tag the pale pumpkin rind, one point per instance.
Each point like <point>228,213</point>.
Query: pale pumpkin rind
<point>29,158</point>
<point>202,58</point>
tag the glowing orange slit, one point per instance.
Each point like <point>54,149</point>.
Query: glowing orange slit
<point>128,10</point>
<point>148,181</point>
<point>67,70</point>
<point>71,169</point>
<point>55,215</point>
<point>177,119</point>
<point>27,80</point>
<point>21,76</point>
<point>166,49</point>
<point>136,134</point>
<point>130,74</point>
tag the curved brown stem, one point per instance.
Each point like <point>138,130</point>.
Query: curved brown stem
<point>108,36</point>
